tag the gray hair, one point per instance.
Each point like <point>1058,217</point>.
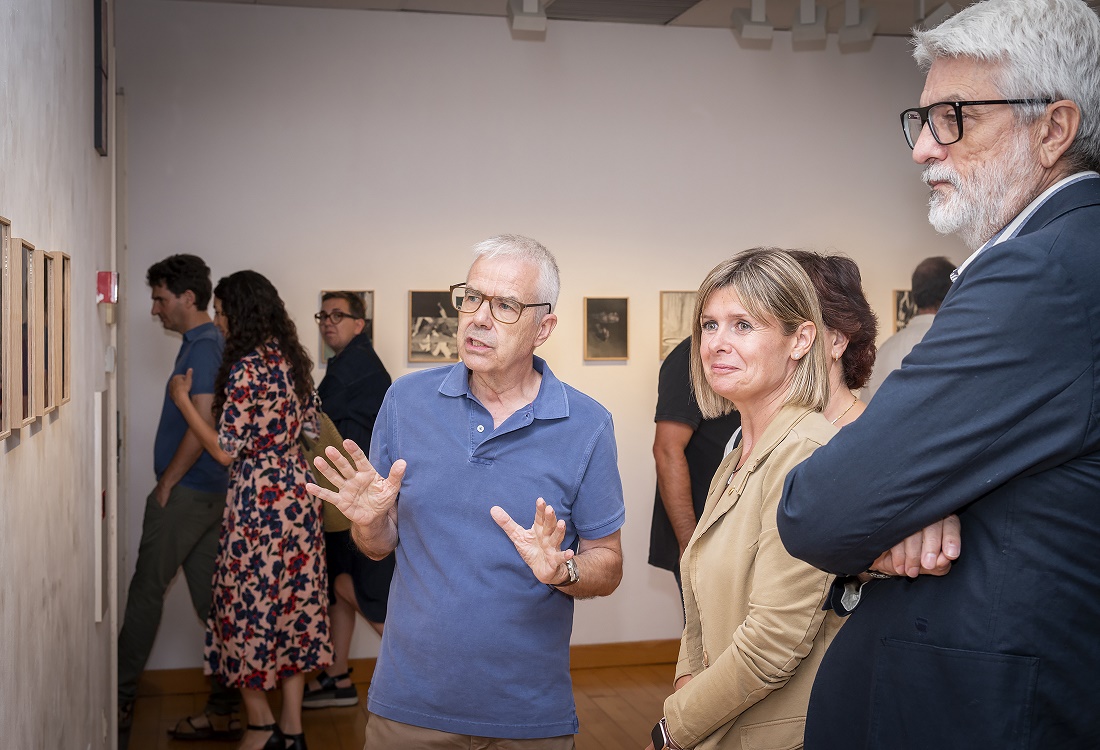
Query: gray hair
<point>525,248</point>
<point>1041,49</point>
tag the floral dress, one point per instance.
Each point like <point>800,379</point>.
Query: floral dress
<point>269,616</point>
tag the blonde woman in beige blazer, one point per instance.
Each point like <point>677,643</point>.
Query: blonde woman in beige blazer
<point>755,629</point>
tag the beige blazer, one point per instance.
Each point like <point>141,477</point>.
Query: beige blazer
<point>755,630</point>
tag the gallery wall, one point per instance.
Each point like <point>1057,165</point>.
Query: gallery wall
<point>367,149</point>
<point>55,657</point>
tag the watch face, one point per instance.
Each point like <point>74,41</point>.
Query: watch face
<point>657,736</point>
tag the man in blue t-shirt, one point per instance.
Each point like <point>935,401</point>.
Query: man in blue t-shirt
<point>476,649</point>
<point>183,513</point>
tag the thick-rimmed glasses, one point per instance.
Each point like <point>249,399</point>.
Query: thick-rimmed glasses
<point>945,119</point>
<point>504,309</point>
<point>336,316</point>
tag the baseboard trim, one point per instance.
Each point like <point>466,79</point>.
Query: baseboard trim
<point>587,656</point>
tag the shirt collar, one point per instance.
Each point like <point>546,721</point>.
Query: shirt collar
<point>1013,227</point>
<point>552,402</point>
<point>199,330</point>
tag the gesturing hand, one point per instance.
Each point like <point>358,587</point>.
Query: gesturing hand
<point>363,495</point>
<point>540,545</point>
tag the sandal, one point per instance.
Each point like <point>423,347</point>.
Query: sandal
<point>295,741</point>
<point>186,730</point>
<point>277,741</point>
<point>328,694</point>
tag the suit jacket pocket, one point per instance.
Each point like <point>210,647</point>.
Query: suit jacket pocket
<point>782,734</point>
<point>927,696</point>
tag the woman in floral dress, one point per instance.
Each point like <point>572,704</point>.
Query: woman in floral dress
<point>268,622</point>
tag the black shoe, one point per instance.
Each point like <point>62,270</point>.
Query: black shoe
<point>277,741</point>
<point>328,695</point>
<point>296,741</point>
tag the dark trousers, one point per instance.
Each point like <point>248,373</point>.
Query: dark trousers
<point>182,534</point>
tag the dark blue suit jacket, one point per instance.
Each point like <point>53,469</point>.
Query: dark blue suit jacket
<point>994,416</point>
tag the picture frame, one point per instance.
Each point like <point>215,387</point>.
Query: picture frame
<point>433,327</point>
<point>65,327</point>
<point>325,352</point>
<point>48,310</point>
<point>605,329</point>
<point>37,333</point>
<point>7,351</point>
<point>904,308</point>
<point>21,326</point>
<point>677,309</point>
<point>102,92</point>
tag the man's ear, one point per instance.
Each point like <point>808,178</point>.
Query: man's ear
<point>1058,131</point>
<point>188,299</point>
<point>546,327</point>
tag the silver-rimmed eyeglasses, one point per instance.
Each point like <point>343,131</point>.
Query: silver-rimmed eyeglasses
<point>504,309</point>
<point>945,119</point>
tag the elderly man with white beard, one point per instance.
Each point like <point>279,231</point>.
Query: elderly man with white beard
<point>994,416</point>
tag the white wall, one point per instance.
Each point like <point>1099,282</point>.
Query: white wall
<point>55,661</point>
<point>359,149</point>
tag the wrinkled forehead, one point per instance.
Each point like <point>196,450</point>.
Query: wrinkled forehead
<point>505,276</point>
<point>960,79</point>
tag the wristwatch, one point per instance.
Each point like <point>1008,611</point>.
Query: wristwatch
<point>661,738</point>
<point>574,575</point>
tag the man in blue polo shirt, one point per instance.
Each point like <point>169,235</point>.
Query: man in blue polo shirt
<point>183,514</point>
<point>476,649</point>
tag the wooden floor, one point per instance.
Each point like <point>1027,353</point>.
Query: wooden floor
<point>617,706</point>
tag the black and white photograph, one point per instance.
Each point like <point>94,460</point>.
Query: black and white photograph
<point>605,328</point>
<point>325,352</point>
<point>676,311</point>
<point>904,308</point>
<point>433,327</point>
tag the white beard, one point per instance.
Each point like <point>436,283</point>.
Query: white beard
<point>989,198</point>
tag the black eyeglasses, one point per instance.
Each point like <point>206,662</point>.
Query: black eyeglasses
<point>336,316</point>
<point>945,119</point>
<point>504,309</point>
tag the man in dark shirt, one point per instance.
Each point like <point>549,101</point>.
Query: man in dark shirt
<point>183,514</point>
<point>687,450</point>
<point>351,395</point>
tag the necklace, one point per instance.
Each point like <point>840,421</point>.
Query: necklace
<point>854,399</point>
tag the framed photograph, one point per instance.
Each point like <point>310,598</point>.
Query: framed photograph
<point>325,352</point>
<point>38,328</point>
<point>22,328</point>
<point>7,351</point>
<point>65,327</point>
<point>433,327</point>
<point>904,308</point>
<point>676,311</point>
<point>102,83</point>
<point>51,395</point>
<point>605,328</point>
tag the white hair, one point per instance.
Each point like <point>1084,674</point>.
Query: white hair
<point>525,248</point>
<point>1041,49</point>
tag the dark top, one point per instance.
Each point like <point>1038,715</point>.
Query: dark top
<point>201,351</point>
<point>676,403</point>
<point>352,390</point>
<point>1002,651</point>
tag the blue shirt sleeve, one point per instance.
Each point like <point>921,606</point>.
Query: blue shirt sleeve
<point>204,358</point>
<point>599,510</point>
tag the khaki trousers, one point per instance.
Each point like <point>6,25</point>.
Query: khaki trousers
<point>384,734</point>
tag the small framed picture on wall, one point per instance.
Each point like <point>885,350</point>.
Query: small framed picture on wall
<point>51,373</point>
<point>38,328</point>
<point>22,329</point>
<point>605,326</point>
<point>65,327</point>
<point>904,308</point>
<point>433,327</point>
<point>333,322</point>
<point>7,351</point>
<point>676,311</point>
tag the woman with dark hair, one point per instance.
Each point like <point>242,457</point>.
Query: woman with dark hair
<point>268,621</point>
<point>850,330</point>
